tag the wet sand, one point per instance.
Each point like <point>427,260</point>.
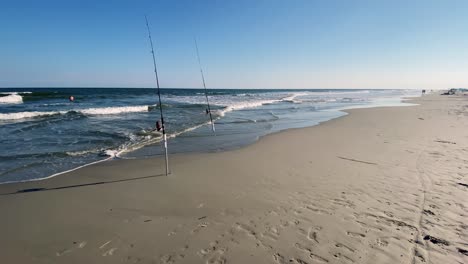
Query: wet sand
<point>381,185</point>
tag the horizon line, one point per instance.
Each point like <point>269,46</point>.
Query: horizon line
<point>110,87</point>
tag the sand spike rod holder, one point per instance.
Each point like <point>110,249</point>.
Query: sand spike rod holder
<point>159,97</point>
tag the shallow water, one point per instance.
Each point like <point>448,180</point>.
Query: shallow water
<point>43,133</point>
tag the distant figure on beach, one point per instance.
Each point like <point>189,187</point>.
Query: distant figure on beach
<point>71,98</point>
<point>423,92</point>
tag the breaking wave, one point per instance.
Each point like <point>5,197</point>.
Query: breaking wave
<point>11,98</point>
<point>88,111</point>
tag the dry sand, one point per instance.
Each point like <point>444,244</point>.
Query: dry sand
<point>382,185</point>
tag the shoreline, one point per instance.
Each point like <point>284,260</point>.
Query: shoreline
<point>405,102</point>
<point>383,185</point>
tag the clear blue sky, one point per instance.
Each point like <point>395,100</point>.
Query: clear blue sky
<point>243,43</point>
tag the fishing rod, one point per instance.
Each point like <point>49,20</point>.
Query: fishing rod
<point>158,126</point>
<point>208,110</point>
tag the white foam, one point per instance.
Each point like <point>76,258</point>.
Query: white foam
<point>292,98</point>
<point>59,173</point>
<point>11,98</point>
<point>81,153</point>
<point>150,140</point>
<point>89,111</point>
<point>338,93</point>
<point>112,153</point>
<point>23,115</point>
<point>114,110</point>
<point>245,105</point>
<point>173,135</point>
<point>233,106</point>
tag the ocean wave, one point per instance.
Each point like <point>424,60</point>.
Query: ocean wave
<point>81,152</point>
<point>250,121</point>
<point>147,137</point>
<point>233,106</point>
<point>40,95</point>
<point>11,98</point>
<point>331,93</point>
<point>55,104</point>
<point>114,110</point>
<point>245,105</point>
<point>26,115</point>
<point>88,111</point>
<point>243,94</point>
<point>292,98</point>
<point>56,154</point>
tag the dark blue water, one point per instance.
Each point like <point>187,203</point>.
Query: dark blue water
<point>43,133</point>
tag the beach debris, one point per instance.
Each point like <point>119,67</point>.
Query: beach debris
<point>203,217</point>
<point>463,184</point>
<point>355,160</point>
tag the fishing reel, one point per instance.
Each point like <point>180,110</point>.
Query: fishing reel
<point>159,125</point>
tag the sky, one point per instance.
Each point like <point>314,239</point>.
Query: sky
<point>243,43</point>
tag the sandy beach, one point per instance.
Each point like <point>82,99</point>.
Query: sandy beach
<point>380,185</point>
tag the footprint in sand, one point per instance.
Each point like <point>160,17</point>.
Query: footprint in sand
<point>302,247</point>
<point>339,256</point>
<point>278,258</point>
<point>318,258</point>
<point>167,259</point>
<point>109,252</point>
<point>339,245</point>
<point>68,250</point>
<point>105,244</point>
<point>219,259</point>
<point>317,210</point>
<point>199,227</point>
<point>381,243</point>
<point>312,235</point>
<point>249,230</point>
<point>314,257</point>
<point>355,234</point>
<point>299,261</point>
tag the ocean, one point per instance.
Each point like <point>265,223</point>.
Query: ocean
<point>43,133</point>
